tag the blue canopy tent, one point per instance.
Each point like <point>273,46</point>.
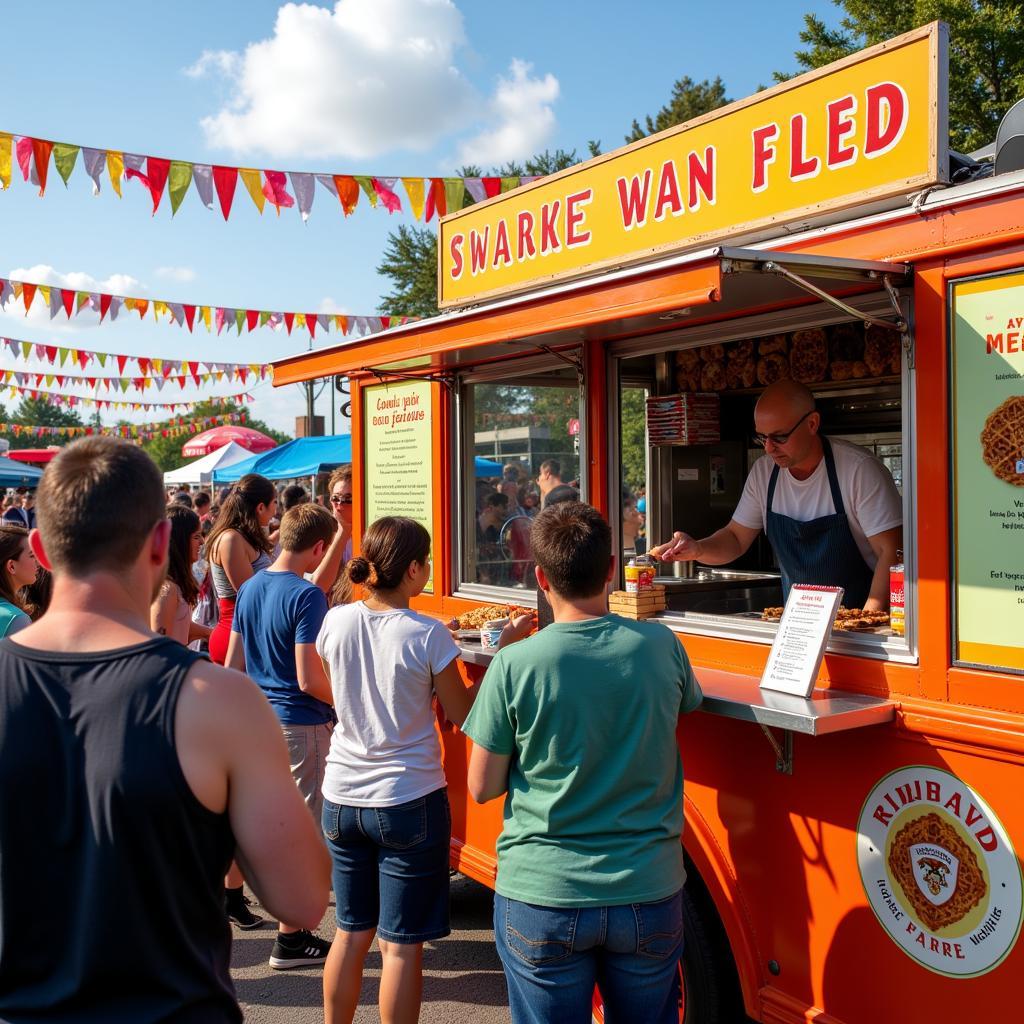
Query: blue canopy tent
<point>18,474</point>
<point>305,456</point>
<point>485,467</point>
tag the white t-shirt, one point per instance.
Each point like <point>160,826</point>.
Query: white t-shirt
<point>873,503</point>
<point>385,749</point>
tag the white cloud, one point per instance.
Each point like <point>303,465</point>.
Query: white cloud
<point>42,273</point>
<point>523,117</point>
<point>358,80</point>
<point>328,305</point>
<point>181,275</point>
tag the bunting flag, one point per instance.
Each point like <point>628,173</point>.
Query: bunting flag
<point>72,302</point>
<point>57,398</point>
<point>173,428</point>
<point>37,378</point>
<point>426,195</point>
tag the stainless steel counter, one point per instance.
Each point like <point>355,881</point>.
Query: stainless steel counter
<point>740,696</point>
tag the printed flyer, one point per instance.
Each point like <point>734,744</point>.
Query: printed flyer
<point>987,338</point>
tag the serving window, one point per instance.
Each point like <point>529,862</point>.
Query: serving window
<point>690,395</point>
<point>519,443</point>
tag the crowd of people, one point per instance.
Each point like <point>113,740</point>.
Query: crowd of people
<point>172,783</point>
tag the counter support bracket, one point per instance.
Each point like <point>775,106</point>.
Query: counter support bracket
<point>783,750</point>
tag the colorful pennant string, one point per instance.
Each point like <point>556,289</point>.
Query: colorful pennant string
<point>36,378</point>
<point>426,195</point>
<point>71,302</point>
<point>57,398</point>
<point>174,428</point>
<point>198,371</point>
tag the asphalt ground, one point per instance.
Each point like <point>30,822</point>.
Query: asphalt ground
<point>463,982</point>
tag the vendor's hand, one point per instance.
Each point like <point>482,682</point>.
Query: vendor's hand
<point>517,629</point>
<point>875,604</point>
<point>681,548</point>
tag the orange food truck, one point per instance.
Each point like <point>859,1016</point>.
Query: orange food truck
<point>851,856</point>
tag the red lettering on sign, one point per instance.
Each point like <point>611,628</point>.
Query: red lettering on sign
<point>526,245</point>
<point>702,176</point>
<point>764,154</point>
<point>886,118</point>
<point>549,241</point>
<point>455,251</point>
<point>1013,341</point>
<point>882,815</point>
<point>478,250</point>
<point>574,217</point>
<point>633,199</point>
<point>933,791</point>
<point>801,166</point>
<point>669,200</point>
<point>993,343</point>
<point>841,124</point>
<point>987,839</point>
<point>502,248</point>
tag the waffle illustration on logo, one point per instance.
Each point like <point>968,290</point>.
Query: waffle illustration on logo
<point>939,871</point>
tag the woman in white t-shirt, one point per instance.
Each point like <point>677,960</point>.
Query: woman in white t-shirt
<point>386,816</point>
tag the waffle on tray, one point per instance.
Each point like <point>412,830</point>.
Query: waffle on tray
<point>476,618</point>
<point>846,618</point>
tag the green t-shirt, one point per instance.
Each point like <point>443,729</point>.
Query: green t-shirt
<point>594,810</point>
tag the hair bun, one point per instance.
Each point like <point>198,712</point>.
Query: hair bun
<point>358,569</point>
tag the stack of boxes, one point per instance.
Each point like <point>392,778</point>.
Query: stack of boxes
<point>691,418</point>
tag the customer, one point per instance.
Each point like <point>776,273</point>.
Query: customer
<point>21,511</point>
<point>17,569</point>
<point>292,495</point>
<point>273,638</point>
<point>130,772</point>
<point>549,477</point>
<point>238,548</point>
<point>332,576</point>
<point>577,725</point>
<point>386,815</point>
<point>171,612</point>
<point>202,504</point>
<point>36,596</point>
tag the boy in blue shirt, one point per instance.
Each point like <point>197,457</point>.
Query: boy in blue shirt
<point>278,616</point>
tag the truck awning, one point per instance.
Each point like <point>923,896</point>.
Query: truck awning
<point>709,284</point>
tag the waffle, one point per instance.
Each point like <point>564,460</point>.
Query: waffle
<point>476,618</point>
<point>1002,441</point>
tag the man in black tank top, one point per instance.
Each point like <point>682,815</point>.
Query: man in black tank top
<point>131,772</point>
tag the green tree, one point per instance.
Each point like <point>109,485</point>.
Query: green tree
<point>986,53</point>
<point>37,412</point>
<point>633,428</point>
<point>166,451</point>
<point>689,99</point>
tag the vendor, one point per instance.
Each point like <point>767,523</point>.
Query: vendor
<point>830,509</point>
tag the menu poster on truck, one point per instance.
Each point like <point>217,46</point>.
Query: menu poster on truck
<point>800,642</point>
<point>397,441</point>
<point>987,379</point>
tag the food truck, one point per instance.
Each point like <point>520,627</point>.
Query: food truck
<point>851,856</point>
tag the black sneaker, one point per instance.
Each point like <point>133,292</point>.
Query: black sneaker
<point>304,949</point>
<point>238,904</point>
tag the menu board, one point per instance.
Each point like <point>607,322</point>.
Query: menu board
<point>398,442</point>
<point>799,644</point>
<point>987,379</point>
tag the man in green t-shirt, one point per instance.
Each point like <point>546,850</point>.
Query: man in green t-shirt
<point>577,725</point>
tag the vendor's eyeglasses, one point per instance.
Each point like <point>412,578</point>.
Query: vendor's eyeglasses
<point>778,439</point>
<point>341,499</point>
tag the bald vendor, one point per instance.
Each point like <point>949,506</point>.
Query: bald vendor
<point>830,509</point>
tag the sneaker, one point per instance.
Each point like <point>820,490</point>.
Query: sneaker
<point>239,913</point>
<point>303,950</point>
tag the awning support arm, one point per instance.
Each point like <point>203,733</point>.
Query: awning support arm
<point>908,340</point>
<point>575,360</point>
<point>899,324</point>
<point>448,380</point>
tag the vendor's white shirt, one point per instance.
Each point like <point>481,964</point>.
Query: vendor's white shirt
<point>385,750</point>
<point>873,503</point>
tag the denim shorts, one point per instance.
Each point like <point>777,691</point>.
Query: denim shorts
<point>391,867</point>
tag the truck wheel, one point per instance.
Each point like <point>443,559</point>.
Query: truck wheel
<point>699,1001</point>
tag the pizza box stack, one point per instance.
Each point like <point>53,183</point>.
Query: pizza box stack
<point>689,418</point>
<point>639,605</point>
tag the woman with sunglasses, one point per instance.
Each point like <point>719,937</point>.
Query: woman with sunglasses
<point>829,508</point>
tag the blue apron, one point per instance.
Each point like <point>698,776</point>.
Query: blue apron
<point>820,551</point>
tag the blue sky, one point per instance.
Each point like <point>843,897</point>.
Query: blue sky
<point>386,87</point>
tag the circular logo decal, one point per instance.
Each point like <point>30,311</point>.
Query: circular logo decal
<point>939,871</point>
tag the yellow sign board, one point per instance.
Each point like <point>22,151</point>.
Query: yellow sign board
<point>866,128</point>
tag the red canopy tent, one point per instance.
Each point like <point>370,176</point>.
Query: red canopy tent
<point>210,440</point>
<point>33,456</point>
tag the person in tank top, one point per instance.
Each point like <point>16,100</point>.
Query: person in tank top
<point>171,612</point>
<point>131,772</point>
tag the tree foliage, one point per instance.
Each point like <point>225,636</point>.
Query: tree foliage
<point>36,412</point>
<point>986,53</point>
<point>689,99</point>
<point>410,263</point>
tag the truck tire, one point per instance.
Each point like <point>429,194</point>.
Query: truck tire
<point>700,989</point>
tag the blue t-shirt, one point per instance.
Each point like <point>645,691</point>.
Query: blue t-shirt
<point>274,612</point>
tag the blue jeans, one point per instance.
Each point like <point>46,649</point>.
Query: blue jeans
<point>553,957</point>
